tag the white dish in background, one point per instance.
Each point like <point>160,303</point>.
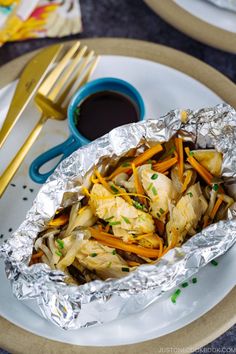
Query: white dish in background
<point>163,89</point>
<point>210,13</point>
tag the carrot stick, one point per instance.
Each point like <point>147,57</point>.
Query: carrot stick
<point>139,160</point>
<point>122,193</point>
<point>59,221</point>
<point>37,255</point>
<point>187,180</point>
<point>102,181</point>
<point>138,185</point>
<point>180,151</point>
<point>216,207</point>
<point>111,241</point>
<point>148,154</point>
<point>203,172</point>
<point>165,165</point>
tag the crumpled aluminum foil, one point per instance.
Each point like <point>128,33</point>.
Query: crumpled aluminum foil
<point>226,4</point>
<point>70,306</point>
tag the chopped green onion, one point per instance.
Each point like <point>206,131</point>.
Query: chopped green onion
<point>108,219</point>
<point>191,153</point>
<point>113,252</point>
<point>154,176</point>
<point>214,262</point>
<point>114,189</point>
<point>58,253</point>
<point>184,285</point>
<point>175,295</point>
<point>124,269</point>
<point>125,164</point>
<point>161,211</point>
<point>198,229</point>
<point>149,161</point>
<point>60,243</point>
<point>125,219</point>
<point>215,187</point>
<point>137,205</point>
<point>109,265</point>
<point>194,280</point>
<point>113,223</point>
<point>190,194</point>
<point>150,186</point>
<point>93,254</point>
<point>158,215</point>
<point>154,191</point>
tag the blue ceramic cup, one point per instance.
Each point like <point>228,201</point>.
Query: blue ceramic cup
<point>76,139</point>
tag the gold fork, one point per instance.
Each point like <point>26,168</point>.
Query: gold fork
<point>52,97</point>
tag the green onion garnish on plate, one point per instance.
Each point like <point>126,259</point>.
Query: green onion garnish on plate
<point>184,285</point>
<point>175,296</point>
<point>214,262</point>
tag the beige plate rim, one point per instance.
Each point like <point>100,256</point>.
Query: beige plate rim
<point>213,323</point>
<point>192,26</point>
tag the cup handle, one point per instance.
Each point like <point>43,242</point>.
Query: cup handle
<point>64,149</point>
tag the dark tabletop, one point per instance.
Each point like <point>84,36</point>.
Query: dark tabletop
<point>133,19</point>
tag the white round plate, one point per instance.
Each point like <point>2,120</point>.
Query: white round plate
<point>210,13</point>
<point>163,89</point>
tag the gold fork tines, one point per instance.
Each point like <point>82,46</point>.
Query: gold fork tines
<point>53,76</point>
<point>52,98</point>
<point>66,74</point>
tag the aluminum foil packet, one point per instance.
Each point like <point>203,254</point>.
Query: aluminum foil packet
<point>226,4</point>
<point>97,302</point>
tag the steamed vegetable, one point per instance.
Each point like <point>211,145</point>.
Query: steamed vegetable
<point>149,204</point>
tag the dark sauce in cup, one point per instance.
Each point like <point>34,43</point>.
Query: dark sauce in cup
<point>101,112</point>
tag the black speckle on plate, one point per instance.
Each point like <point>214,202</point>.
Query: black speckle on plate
<point>31,190</point>
<point>1,236</point>
<point>10,230</point>
<point>24,186</point>
<point>13,185</point>
<point>25,198</point>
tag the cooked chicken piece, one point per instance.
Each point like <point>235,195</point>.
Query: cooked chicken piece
<point>210,159</point>
<point>187,214</point>
<point>102,259</point>
<point>117,211</point>
<point>160,190</point>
